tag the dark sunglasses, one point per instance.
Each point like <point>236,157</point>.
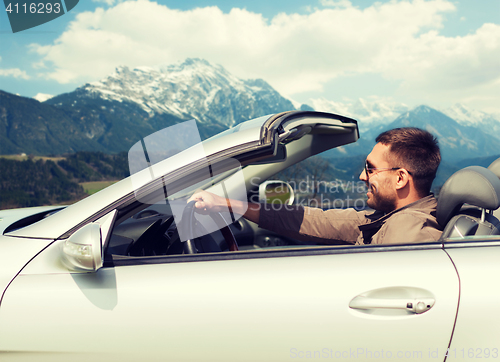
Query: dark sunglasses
<point>371,170</point>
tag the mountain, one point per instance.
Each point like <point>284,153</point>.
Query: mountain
<point>114,113</point>
<point>457,141</point>
<point>378,112</point>
<point>480,161</point>
<point>369,112</point>
<point>461,145</point>
<point>114,126</point>
<point>466,116</point>
<point>42,97</point>
<point>28,126</point>
<point>193,89</point>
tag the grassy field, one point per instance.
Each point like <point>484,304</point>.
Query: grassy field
<point>93,187</point>
<point>24,157</point>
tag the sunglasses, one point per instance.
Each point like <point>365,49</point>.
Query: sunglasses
<point>371,170</point>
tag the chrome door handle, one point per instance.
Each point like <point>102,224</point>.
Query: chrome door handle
<point>399,300</point>
<point>414,305</point>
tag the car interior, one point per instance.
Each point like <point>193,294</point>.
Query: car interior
<point>468,209</point>
<point>467,202</point>
<point>152,228</point>
<point>153,231</point>
<point>466,206</point>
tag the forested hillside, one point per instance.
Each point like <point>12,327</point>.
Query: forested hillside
<point>33,182</point>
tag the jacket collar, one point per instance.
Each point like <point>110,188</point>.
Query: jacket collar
<point>426,204</point>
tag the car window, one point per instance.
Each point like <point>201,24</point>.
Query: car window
<point>152,230</point>
<point>324,182</point>
<point>150,226</point>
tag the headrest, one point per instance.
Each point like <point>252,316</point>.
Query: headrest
<point>495,167</point>
<point>472,185</point>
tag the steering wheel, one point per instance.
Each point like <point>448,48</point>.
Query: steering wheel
<point>146,213</point>
<point>187,225</point>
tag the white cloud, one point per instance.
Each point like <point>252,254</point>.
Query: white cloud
<point>14,72</point>
<point>107,2</point>
<point>336,3</point>
<point>294,53</point>
<point>452,69</point>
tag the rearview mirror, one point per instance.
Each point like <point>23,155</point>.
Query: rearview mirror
<point>83,249</point>
<point>276,192</point>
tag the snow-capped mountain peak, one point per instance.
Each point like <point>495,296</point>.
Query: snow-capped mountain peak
<point>42,97</point>
<point>467,116</point>
<point>192,89</point>
<point>369,112</point>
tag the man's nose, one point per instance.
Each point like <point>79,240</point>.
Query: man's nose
<point>363,176</point>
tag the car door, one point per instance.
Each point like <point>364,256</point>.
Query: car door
<point>270,305</point>
<point>477,331</point>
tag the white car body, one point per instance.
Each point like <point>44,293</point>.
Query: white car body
<point>270,304</point>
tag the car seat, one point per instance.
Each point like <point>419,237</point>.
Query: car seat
<point>495,167</point>
<point>466,203</point>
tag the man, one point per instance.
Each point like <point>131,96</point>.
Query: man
<point>398,173</point>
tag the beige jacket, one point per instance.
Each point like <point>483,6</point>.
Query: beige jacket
<point>415,222</point>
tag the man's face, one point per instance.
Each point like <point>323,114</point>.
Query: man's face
<point>380,180</point>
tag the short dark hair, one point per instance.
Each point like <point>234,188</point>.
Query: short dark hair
<point>417,151</point>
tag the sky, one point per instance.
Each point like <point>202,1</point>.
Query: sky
<point>433,52</point>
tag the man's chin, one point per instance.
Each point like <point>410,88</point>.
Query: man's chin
<point>369,195</point>
<point>380,204</point>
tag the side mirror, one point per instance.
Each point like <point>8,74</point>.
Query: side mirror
<point>83,249</point>
<point>276,192</point>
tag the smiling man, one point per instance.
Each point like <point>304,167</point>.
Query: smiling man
<point>398,173</point>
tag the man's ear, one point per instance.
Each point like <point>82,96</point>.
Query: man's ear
<point>402,178</point>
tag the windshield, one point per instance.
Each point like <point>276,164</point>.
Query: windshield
<point>176,144</point>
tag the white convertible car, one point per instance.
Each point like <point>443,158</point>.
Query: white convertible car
<point>131,273</point>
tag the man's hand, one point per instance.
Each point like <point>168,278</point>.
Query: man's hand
<point>207,202</point>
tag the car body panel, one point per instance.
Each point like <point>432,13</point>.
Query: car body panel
<point>477,329</point>
<point>274,303</point>
<point>261,308</point>
<point>15,253</point>
<point>9,217</point>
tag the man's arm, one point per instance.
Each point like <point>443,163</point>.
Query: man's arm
<point>306,224</point>
<point>207,202</point>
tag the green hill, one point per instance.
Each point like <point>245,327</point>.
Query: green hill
<point>33,182</point>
